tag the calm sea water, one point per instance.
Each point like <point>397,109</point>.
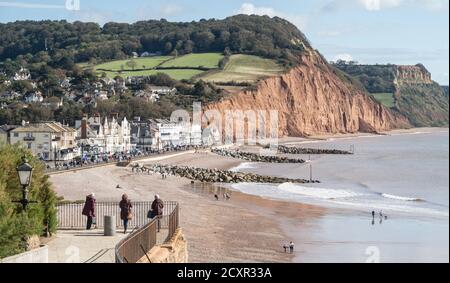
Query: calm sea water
<point>404,174</point>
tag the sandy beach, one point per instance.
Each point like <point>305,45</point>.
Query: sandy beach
<point>255,224</point>
<point>245,229</point>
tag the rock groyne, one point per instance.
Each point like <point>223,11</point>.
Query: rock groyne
<point>299,150</point>
<point>222,176</point>
<point>253,157</point>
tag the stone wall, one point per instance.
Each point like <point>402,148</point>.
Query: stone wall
<point>39,255</point>
<point>175,251</point>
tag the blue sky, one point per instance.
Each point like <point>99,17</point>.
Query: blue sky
<point>368,31</point>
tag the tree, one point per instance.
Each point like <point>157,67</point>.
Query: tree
<point>132,64</point>
<point>16,225</point>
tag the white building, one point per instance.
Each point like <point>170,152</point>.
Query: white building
<point>148,96</point>
<point>105,136</point>
<point>48,141</point>
<point>162,90</point>
<point>34,97</point>
<point>178,134</point>
<point>22,75</point>
<point>145,135</point>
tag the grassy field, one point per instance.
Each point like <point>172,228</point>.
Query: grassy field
<point>180,74</point>
<point>240,68</point>
<point>245,68</point>
<point>387,99</point>
<point>142,63</point>
<point>207,60</point>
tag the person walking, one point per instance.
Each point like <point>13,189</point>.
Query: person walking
<point>89,210</point>
<point>291,247</point>
<point>157,210</point>
<point>125,211</point>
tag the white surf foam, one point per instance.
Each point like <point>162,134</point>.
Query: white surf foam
<point>320,193</point>
<point>342,198</point>
<point>244,165</point>
<point>400,198</point>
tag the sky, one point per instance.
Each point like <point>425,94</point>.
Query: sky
<point>368,31</point>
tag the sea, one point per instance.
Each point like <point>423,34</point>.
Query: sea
<point>403,177</point>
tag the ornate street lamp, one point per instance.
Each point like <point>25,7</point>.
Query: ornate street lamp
<point>25,172</point>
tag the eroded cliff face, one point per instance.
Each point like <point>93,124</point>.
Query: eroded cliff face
<point>419,98</point>
<point>413,75</point>
<point>312,99</point>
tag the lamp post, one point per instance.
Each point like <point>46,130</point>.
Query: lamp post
<point>25,171</point>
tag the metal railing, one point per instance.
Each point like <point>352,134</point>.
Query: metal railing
<point>70,215</point>
<point>137,245</point>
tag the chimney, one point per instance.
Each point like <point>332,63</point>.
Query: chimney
<point>84,128</point>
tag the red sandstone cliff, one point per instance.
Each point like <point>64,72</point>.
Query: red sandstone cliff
<point>312,99</point>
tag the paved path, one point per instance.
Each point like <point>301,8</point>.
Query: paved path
<point>83,247</point>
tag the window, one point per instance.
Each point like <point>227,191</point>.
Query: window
<point>16,135</point>
<point>29,145</point>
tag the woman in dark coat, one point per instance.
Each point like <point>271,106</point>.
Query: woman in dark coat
<point>89,210</point>
<point>125,211</point>
<point>157,210</point>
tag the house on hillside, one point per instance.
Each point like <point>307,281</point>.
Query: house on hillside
<point>34,97</point>
<point>101,95</point>
<point>65,83</point>
<point>147,95</point>
<point>162,90</point>
<point>22,75</point>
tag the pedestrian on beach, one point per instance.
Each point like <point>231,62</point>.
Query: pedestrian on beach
<point>285,248</point>
<point>89,210</point>
<point>373,214</point>
<point>216,197</point>
<point>227,195</point>
<point>125,211</point>
<point>291,247</point>
<point>157,210</point>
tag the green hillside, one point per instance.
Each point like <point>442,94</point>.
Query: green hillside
<point>387,99</point>
<point>244,68</point>
<point>423,102</point>
<point>141,63</point>
<point>239,68</point>
<point>204,60</point>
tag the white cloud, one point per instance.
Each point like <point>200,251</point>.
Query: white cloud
<point>344,56</point>
<point>30,5</point>
<point>376,5</point>
<point>250,9</point>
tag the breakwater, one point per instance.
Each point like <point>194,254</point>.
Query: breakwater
<point>222,176</point>
<point>299,150</point>
<point>253,157</point>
